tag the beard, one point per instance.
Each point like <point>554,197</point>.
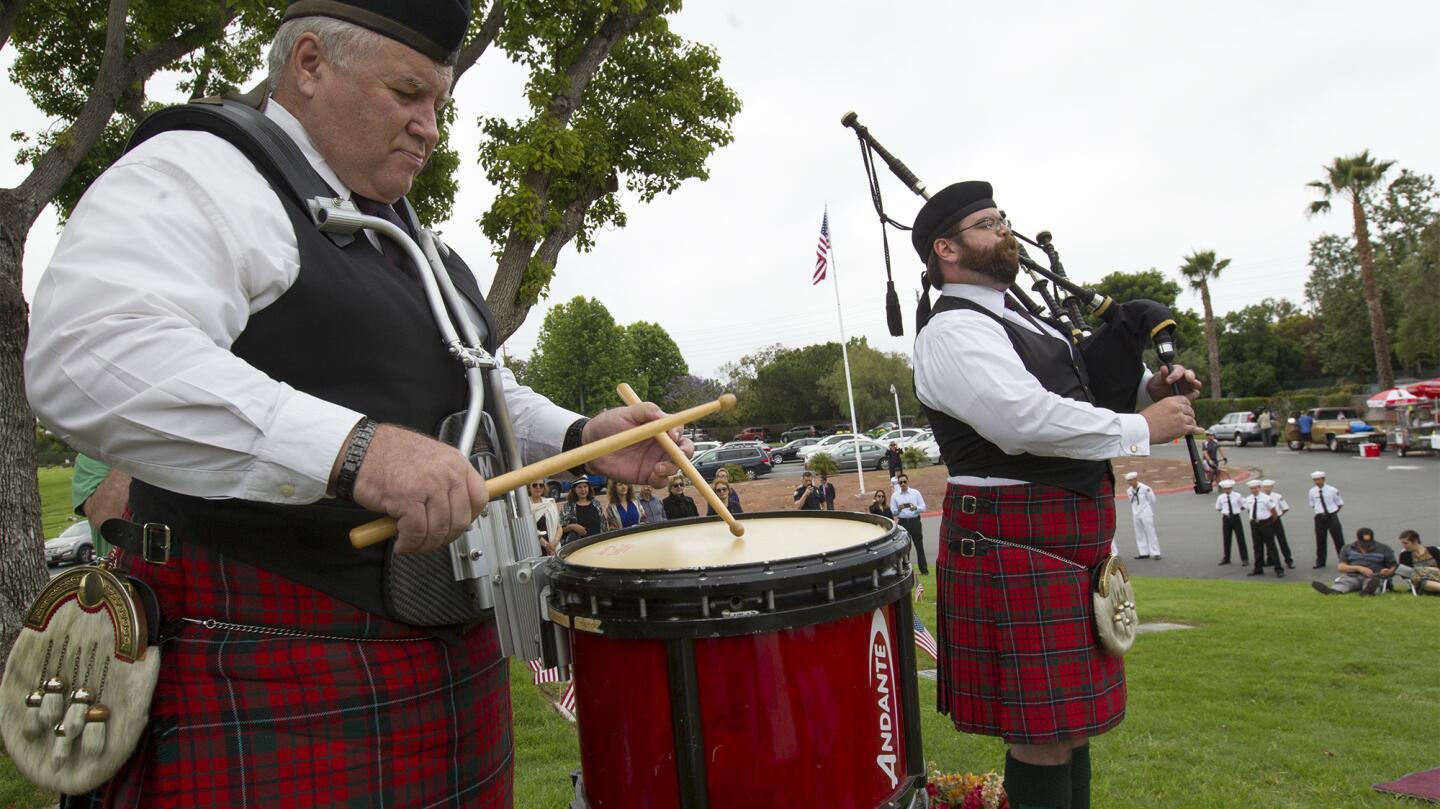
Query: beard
<point>1000,262</point>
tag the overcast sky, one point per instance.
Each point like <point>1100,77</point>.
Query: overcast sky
<point>1135,132</point>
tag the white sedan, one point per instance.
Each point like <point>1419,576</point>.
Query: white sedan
<point>827,444</point>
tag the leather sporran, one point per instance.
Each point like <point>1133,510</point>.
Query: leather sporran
<point>1114,601</point>
<point>76,694</point>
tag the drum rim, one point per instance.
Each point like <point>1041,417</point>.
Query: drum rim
<point>562,556</point>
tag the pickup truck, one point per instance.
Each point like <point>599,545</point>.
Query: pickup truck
<point>1331,427</point>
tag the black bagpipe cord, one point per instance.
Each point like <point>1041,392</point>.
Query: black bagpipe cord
<point>892,301</point>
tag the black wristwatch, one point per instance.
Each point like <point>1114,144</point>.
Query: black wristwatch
<point>575,437</point>
<point>354,456</point>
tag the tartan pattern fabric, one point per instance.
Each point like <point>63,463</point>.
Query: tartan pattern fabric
<point>1018,654</point>
<point>246,719</point>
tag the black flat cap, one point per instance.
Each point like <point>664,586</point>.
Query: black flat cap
<point>435,28</point>
<point>953,203</point>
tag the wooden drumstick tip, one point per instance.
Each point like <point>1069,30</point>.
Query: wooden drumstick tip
<point>727,401</point>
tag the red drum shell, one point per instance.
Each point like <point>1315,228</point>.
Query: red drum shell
<point>813,714</point>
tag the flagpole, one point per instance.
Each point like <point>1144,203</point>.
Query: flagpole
<point>845,357</point>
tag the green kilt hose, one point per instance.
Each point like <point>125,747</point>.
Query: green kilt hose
<point>1019,657</point>
<point>382,715</point>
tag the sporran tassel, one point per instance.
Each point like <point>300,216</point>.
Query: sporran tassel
<point>92,739</point>
<point>52,705</point>
<point>34,725</point>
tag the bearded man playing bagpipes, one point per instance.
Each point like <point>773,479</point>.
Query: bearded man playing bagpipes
<point>1030,507</point>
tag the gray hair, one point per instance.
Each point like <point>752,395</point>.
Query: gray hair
<point>344,43</point>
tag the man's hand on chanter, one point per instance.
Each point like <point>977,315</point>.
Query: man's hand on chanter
<point>1170,418</point>
<point>1162,384</point>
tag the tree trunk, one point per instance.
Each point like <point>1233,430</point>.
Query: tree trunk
<point>22,556</point>
<point>1378,336</point>
<point>1212,342</point>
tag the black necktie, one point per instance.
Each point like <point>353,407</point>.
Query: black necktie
<point>1323,507</point>
<point>388,247</point>
<point>1254,508</point>
<point>1229,505</point>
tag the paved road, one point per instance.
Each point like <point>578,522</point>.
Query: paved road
<point>1387,494</point>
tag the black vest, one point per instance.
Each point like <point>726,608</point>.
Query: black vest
<point>352,330</point>
<point>1059,370</point>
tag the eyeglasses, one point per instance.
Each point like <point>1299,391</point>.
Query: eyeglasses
<point>537,485</point>
<point>677,485</point>
<point>988,223</point>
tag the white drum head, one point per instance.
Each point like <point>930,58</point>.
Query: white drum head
<point>711,545</point>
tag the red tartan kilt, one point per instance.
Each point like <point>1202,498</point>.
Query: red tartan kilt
<point>1018,654</point>
<point>401,719</point>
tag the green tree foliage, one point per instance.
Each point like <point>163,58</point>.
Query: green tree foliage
<point>1354,179</point>
<point>690,391</point>
<point>872,373</point>
<point>616,98</point>
<point>1199,267</point>
<point>1417,334</point>
<point>653,360</point>
<point>580,356</point>
<point>1152,285</point>
<point>1258,358</point>
<point>777,384</point>
<point>1333,292</point>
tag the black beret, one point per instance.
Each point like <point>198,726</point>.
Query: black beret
<point>435,28</point>
<point>953,203</point>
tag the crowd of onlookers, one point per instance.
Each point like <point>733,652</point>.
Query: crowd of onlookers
<point>580,514</point>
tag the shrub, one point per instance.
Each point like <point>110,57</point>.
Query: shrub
<point>914,458</point>
<point>737,473</point>
<point>822,464</point>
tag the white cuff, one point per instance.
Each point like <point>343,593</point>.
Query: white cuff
<point>1134,435</point>
<point>293,464</point>
<point>543,432</point>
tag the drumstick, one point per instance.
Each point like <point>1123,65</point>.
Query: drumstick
<point>627,395</point>
<point>363,536</point>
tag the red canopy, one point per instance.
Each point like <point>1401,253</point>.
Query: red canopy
<point>1429,389</point>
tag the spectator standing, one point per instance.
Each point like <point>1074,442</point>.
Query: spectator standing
<point>654,507</point>
<point>580,516</point>
<point>1364,566</point>
<point>827,492</point>
<point>1262,531</point>
<point>547,517</point>
<point>880,504</point>
<point>1418,563</point>
<point>1266,423</point>
<point>1326,502</point>
<point>1281,508</point>
<point>893,459</point>
<point>678,504</point>
<point>722,475</point>
<point>622,509</point>
<point>1231,506</point>
<point>1304,424</point>
<point>1142,513</point>
<point>725,492</point>
<point>807,497</point>
<point>908,505</point>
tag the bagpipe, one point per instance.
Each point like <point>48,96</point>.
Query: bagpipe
<point>1113,350</point>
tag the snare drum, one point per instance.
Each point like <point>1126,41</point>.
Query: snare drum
<point>775,670</point>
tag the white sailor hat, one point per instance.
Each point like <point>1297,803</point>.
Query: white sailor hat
<point>1316,475</point>
<point>1253,483</point>
<point>1131,475</point>
<point>1267,482</point>
<point>1227,484</point>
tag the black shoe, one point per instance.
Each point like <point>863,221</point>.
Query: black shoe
<point>1142,556</point>
<point>1317,565</point>
<point>1279,574</point>
<point>1256,573</point>
<point>1289,564</point>
<point>1157,557</point>
<point>1224,561</point>
<point>1370,587</point>
<point>1324,589</point>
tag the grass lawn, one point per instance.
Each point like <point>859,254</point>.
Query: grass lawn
<point>1277,698</point>
<point>55,511</point>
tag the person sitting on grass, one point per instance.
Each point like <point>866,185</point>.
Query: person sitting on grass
<point>1364,566</point>
<point>1419,564</point>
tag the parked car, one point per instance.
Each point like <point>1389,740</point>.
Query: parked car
<point>557,489</point>
<point>1333,427</point>
<point>74,545</point>
<point>1239,428</point>
<point>791,451</point>
<point>696,434</point>
<point>800,431</point>
<point>899,436</point>
<point>754,460</point>
<point>872,455</point>
<point>826,444</point>
<point>765,449</point>
<point>930,447</point>
<point>919,438</point>
<point>701,446</point>
<point>753,434</point>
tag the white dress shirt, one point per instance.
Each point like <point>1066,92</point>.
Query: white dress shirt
<point>1322,499</point>
<point>1230,503</point>
<point>160,267</point>
<point>966,367</point>
<point>1259,506</point>
<point>1280,505</point>
<point>907,504</point>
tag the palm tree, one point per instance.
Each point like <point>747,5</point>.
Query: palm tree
<point>1354,177</point>
<point>1199,267</point>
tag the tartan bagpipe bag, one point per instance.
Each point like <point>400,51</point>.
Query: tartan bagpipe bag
<point>78,683</point>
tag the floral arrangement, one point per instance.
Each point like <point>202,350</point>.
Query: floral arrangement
<point>968,791</point>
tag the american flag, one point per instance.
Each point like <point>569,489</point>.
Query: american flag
<point>822,250</point>
<point>925,640</point>
<point>919,590</point>
<point>556,675</point>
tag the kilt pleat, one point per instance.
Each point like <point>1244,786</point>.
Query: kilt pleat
<point>1019,657</point>
<point>396,718</point>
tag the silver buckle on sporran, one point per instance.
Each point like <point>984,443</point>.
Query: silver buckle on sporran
<point>78,683</point>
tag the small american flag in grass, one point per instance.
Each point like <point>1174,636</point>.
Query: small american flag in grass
<point>925,640</point>
<point>822,250</point>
